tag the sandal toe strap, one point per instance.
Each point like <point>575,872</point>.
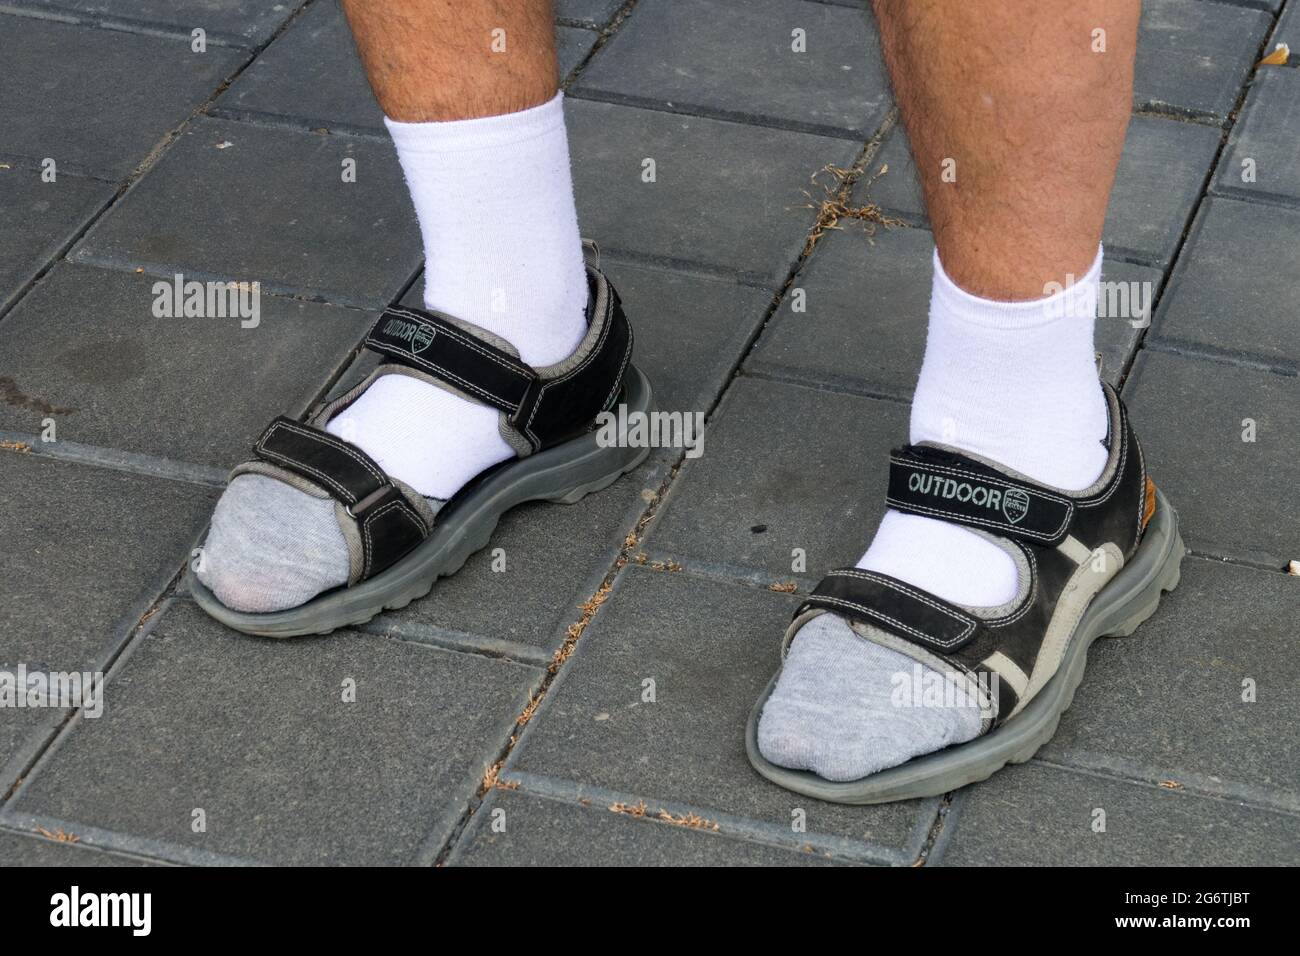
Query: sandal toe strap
<point>949,633</point>
<point>388,526</point>
<point>894,606</point>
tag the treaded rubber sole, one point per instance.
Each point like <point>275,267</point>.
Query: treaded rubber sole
<point>1116,610</point>
<point>566,473</point>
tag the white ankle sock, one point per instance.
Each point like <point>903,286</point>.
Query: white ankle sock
<point>1017,383</point>
<point>494,197</point>
<point>505,257</point>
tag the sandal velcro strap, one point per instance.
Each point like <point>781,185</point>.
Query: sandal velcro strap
<point>545,406</point>
<point>893,606</point>
<point>949,486</point>
<point>954,636</point>
<point>425,341</point>
<point>389,527</point>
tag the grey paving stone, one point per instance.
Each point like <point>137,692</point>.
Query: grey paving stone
<point>1120,326</point>
<point>594,13</point>
<point>1195,57</point>
<point>312,74</point>
<point>1169,701</point>
<point>725,195</point>
<point>1161,173</point>
<point>86,551</point>
<point>262,741</point>
<point>784,467</point>
<point>516,829</point>
<point>555,557</point>
<point>270,206</point>
<point>103,117</point>
<point>41,218</point>
<point>1287,31</point>
<point>192,389</point>
<point>246,22</point>
<point>736,60</point>
<point>1271,5</point>
<point>690,329</point>
<point>1230,290</point>
<point>19,737</point>
<point>1191,415</point>
<point>710,648</point>
<point>866,299</point>
<point>1263,140</point>
<point>890,181</point>
<point>19,850</point>
<point>572,46</point>
<point>1037,815</point>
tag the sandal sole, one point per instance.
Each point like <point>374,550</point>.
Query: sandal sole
<point>1116,610</point>
<point>566,474</point>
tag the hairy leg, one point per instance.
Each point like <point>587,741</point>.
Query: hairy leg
<point>446,61</point>
<point>1026,114</point>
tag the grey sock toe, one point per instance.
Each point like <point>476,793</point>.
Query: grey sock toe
<point>834,709</point>
<point>271,546</point>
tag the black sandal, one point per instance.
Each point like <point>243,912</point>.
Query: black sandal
<point>398,544</point>
<point>1092,563</point>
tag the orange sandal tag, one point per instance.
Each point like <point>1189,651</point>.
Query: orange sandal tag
<point>1149,508</point>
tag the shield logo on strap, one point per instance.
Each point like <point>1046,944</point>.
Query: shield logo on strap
<point>421,338</point>
<point>1015,504</point>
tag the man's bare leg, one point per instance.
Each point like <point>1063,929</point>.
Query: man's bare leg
<point>470,94</point>
<point>1017,119</point>
<point>1033,120</point>
<point>445,61</point>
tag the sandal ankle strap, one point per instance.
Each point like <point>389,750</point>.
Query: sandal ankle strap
<point>543,406</point>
